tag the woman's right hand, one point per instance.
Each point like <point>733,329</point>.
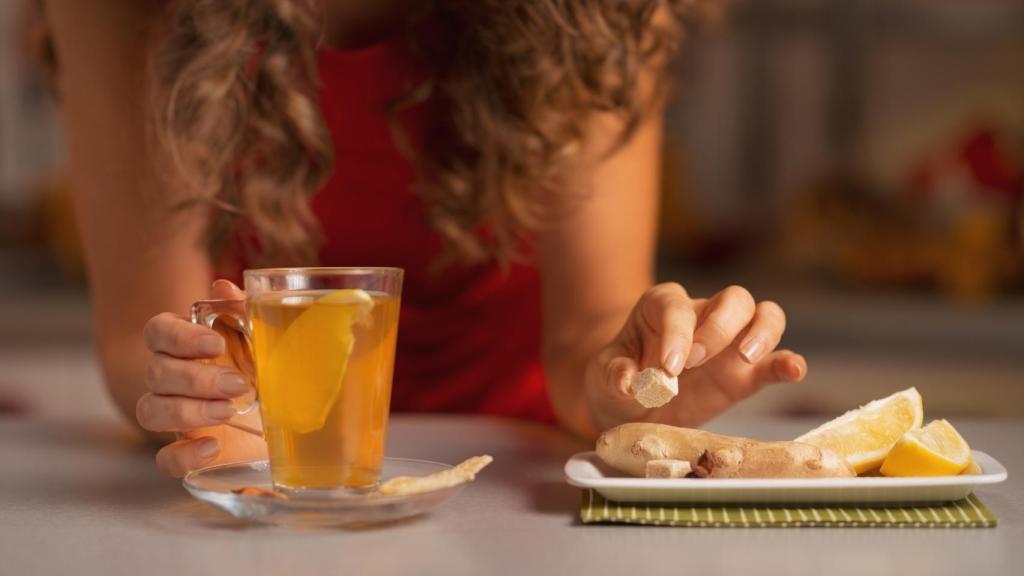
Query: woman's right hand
<point>190,393</point>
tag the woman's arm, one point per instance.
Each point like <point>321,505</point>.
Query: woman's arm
<point>598,261</point>
<point>603,320</point>
<point>143,257</point>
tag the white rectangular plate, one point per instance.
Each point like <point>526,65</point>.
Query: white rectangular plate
<point>586,470</point>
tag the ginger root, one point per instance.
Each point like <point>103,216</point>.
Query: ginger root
<point>630,447</point>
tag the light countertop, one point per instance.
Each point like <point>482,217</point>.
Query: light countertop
<point>83,497</point>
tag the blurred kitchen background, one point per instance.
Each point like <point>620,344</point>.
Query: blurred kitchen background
<point>859,161</point>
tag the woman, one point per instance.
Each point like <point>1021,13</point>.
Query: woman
<point>504,153</point>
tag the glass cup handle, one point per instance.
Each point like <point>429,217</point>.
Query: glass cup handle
<point>227,318</point>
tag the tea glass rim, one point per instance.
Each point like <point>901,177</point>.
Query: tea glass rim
<point>322,270</point>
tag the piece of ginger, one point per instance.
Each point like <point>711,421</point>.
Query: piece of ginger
<point>260,492</point>
<point>464,472</point>
<point>667,469</point>
<point>653,387</point>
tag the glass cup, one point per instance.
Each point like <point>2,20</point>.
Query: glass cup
<point>322,348</point>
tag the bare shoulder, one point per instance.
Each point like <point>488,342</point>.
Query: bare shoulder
<point>112,19</point>
<point>102,40</point>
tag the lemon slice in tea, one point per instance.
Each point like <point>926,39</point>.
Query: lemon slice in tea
<point>304,371</point>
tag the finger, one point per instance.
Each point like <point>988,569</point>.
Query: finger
<point>780,366</point>
<point>764,332</point>
<point>179,458</point>
<point>226,290</point>
<point>174,413</point>
<point>170,376</point>
<point>619,374</point>
<point>667,319</point>
<point>235,342</point>
<point>173,335</point>
<point>728,313</point>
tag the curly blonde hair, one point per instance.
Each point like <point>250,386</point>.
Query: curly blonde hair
<point>236,82</point>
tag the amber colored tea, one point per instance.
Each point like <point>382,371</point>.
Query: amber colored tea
<point>324,362</point>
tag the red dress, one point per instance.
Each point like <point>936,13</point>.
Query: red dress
<point>469,337</point>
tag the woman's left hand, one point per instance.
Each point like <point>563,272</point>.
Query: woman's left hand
<point>722,349</point>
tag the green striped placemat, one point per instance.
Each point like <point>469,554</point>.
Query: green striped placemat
<point>968,513</point>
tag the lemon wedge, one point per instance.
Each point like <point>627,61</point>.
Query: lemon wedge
<point>866,435</point>
<point>935,450</point>
<point>972,468</point>
<point>308,364</point>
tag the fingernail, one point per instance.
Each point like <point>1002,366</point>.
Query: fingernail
<point>674,363</point>
<point>697,354</point>
<point>218,410</point>
<point>232,384</point>
<point>210,344</point>
<point>753,349</point>
<point>207,448</point>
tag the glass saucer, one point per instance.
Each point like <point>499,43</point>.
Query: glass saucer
<point>215,486</point>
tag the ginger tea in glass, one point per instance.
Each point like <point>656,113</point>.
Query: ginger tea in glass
<point>323,346</point>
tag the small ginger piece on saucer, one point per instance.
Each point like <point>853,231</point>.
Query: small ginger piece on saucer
<point>464,472</point>
<point>653,387</point>
<point>257,491</point>
<point>667,469</point>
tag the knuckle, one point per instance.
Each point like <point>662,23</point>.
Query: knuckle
<point>151,331</point>
<point>669,295</point>
<point>739,294</point>
<point>154,372</point>
<point>747,387</point>
<point>157,373</point>
<point>752,387</point>
<point>182,411</point>
<point>202,378</point>
<point>193,377</point>
<point>667,289</point>
<point>678,320</point>
<point>650,294</point>
<point>773,311</point>
<point>161,330</point>
<point>181,340</point>
<point>716,331</point>
<point>675,287</point>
